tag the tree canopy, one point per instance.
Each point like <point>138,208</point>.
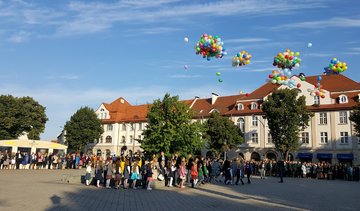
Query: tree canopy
<point>82,128</point>
<point>19,115</point>
<point>170,128</point>
<point>221,133</point>
<point>355,118</point>
<point>287,115</point>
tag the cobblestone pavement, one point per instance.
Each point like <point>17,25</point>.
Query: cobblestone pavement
<point>45,190</point>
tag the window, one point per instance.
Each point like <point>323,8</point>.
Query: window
<point>101,116</point>
<point>139,138</point>
<point>108,139</point>
<point>343,99</point>
<point>124,127</point>
<point>131,139</point>
<point>317,100</point>
<point>140,126</point>
<point>343,117</point>
<point>240,106</point>
<point>323,118</point>
<point>241,124</point>
<point>254,138</point>
<point>323,138</point>
<point>253,106</point>
<point>122,139</point>
<point>344,137</point>
<point>254,121</point>
<point>304,137</point>
<point>132,126</point>
<point>269,138</point>
<point>109,127</point>
<point>102,109</point>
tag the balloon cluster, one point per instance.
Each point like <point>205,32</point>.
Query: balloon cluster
<point>209,46</point>
<point>241,58</point>
<point>288,60</point>
<point>317,91</point>
<point>283,77</point>
<point>335,67</point>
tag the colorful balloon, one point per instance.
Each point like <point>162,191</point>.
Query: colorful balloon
<point>302,76</point>
<point>186,39</point>
<point>287,60</point>
<point>218,73</point>
<point>283,77</point>
<point>317,90</point>
<point>309,45</point>
<point>186,67</point>
<point>210,46</point>
<point>240,59</point>
<point>335,67</point>
<point>220,80</point>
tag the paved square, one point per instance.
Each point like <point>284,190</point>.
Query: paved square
<point>44,190</point>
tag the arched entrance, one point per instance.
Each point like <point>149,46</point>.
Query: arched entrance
<point>98,152</point>
<point>255,156</point>
<point>241,155</point>
<point>271,156</point>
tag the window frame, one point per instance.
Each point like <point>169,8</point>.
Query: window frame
<point>107,139</point>
<point>316,100</point>
<point>343,119</point>
<point>254,121</point>
<point>305,138</point>
<point>344,137</point>
<point>323,119</point>
<point>254,136</point>
<point>324,138</point>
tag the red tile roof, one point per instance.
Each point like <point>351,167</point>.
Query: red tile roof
<point>122,111</point>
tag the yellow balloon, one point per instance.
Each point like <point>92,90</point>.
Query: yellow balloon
<point>247,61</point>
<point>297,54</point>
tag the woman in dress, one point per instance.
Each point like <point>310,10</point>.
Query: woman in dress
<point>88,173</point>
<point>134,174</point>
<point>127,170</point>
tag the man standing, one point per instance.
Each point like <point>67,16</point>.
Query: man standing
<point>18,159</point>
<point>281,169</point>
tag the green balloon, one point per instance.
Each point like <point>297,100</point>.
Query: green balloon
<point>220,80</point>
<point>218,73</point>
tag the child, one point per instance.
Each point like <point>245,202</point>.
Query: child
<point>172,170</point>
<point>88,174</point>
<point>194,174</point>
<point>98,172</point>
<point>200,174</point>
<point>135,174</point>
<point>182,174</point>
<point>149,174</point>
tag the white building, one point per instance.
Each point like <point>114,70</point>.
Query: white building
<point>330,135</point>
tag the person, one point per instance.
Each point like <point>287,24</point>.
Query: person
<point>239,172</point>
<point>247,171</point>
<point>194,174</point>
<point>233,170</point>
<point>109,172</point>
<point>117,173</point>
<point>126,172</point>
<point>281,169</point>
<point>25,161</point>
<point>149,174</point>
<point>134,174</point>
<point>262,169</point>
<point>98,172</point>
<point>226,169</point>
<point>200,174</point>
<point>182,174</point>
<point>144,175</point>
<point>172,169</point>
<point>88,174</point>
<point>7,160</point>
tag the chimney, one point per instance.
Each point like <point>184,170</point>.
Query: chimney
<point>213,98</point>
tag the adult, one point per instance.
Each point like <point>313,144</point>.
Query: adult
<point>109,171</point>
<point>281,169</point>
<point>18,159</point>
<point>98,172</point>
<point>248,170</point>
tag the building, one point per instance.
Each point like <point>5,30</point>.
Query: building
<point>32,146</point>
<point>330,135</point>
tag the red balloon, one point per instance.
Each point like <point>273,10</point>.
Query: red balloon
<point>247,94</point>
<point>271,76</point>
<point>298,85</point>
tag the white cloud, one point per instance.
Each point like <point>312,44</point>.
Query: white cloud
<point>20,37</point>
<point>318,54</point>
<point>154,30</point>
<point>339,22</point>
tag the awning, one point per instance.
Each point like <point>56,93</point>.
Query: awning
<point>324,155</point>
<point>304,155</point>
<point>345,156</point>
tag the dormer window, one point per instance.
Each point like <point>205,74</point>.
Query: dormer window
<point>240,106</point>
<point>214,110</point>
<point>102,109</point>
<point>343,99</point>
<point>253,106</point>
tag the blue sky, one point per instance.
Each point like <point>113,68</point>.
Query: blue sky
<point>68,54</point>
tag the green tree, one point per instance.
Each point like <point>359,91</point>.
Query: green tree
<point>19,116</point>
<point>221,133</point>
<point>355,117</point>
<point>82,128</point>
<point>287,115</point>
<point>170,128</point>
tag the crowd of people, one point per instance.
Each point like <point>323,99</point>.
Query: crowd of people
<point>135,171</point>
